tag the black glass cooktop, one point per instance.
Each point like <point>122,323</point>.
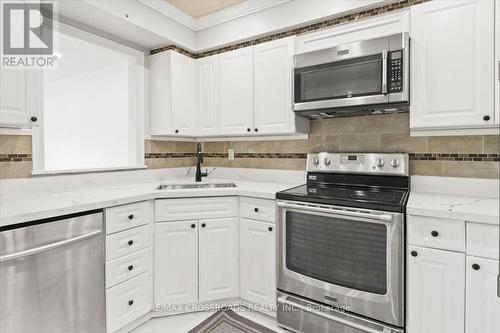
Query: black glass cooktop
<point>370,192</point>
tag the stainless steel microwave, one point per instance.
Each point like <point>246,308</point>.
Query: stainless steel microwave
<point>363,77</point>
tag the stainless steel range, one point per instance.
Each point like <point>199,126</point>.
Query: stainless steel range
<point>341,245</point>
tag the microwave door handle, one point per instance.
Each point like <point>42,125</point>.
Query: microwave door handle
<point>384,72</point>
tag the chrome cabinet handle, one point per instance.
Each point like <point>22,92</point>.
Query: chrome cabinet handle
<point>381,217</point>
<point>48,247</point>
<point>384,72</point>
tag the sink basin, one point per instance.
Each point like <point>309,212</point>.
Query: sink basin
<point>193,186</point>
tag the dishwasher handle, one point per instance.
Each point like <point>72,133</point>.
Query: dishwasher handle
<point>48,247</point>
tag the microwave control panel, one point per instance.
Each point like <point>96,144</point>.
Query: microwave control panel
<point>395,71</point>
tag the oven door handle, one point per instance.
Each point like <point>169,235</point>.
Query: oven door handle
<point>381,217</point>
<point>363,328</point>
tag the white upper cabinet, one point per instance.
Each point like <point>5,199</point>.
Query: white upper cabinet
<point>435,291</point>
<point>236,92</point>
<point>497,62</point>
<point>452,65</point>
<point>171,94</point>
<point>483,304</point>
<point>273,63</point>
<point>20,101</point>
<point>207,96</point>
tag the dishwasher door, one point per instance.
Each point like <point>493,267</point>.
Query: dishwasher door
<point>52,276</point>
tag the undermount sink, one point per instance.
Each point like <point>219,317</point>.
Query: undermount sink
<point>193,186</point>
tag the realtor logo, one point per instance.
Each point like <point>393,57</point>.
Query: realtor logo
<point>27,34</point>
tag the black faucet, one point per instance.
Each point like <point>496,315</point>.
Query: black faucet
<point>199,160</point>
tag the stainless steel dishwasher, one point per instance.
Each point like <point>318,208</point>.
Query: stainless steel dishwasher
<point>52,276</point>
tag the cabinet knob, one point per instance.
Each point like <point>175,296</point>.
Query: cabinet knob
<point>130,242</point>
<point>256,130</point>
<point>131,267</point>
<point>434,233</point>
<point>248,130</point>
<point>33,118</point>
<point>130,302</point>
<point>413,253</point>
<point>176,131</point>
<point>476,267</point>
<point>270,228</point>
<point>256,209</point>
<point>131,216</point>
<point>486,118</point>
<point>193,225</point>
<point>203,225</point>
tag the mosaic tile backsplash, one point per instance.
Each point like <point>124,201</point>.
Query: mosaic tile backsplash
<point>457,156</point>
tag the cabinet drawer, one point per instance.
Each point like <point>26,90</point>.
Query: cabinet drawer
<point>128,301</point>
<point>126,242</point>
<point>482,240</point>
<point>127,267</point>
<point>195,208</point>
<point>436,233</point>
<point>258,209</point>
<point>127,216</point>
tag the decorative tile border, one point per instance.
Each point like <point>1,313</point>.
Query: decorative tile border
<point>454,157</point>
<point>169,155</point>
<point>297,31</point>
<point>15,158</point>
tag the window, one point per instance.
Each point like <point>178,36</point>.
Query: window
<point>93,106</point>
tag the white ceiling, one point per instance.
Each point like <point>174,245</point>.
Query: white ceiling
<point>200,8</point>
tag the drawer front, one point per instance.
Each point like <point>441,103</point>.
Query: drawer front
<point>436,233</point>
<point>127,242</point>
<point>128,216</point>
<point>195,208</point>
<point>482,240</point>
<point>124,268</point>
<point>258,209</point>
<point>128,301</point>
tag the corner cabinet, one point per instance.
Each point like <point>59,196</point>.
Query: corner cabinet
<point>236,92</point>
<point>171,94</point>
<point>21,97</point>
<point>452,68</point>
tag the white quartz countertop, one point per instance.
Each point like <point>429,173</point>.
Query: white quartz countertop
<point>461,199</point>
<point>28,207</point>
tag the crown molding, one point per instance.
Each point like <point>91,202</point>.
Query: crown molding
<point>228,14</point>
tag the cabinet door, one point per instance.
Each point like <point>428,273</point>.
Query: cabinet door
<point>497,62</point>
<point>176,262</point>
<point>483,304</point>
<point>207,96</point>
<point>452,64</point>
<point>219,269</point>
<point>160,94</point>
<point>236,91</point>
<point>183,95</point>
<point>258,261</point>
<point>20,92</point>
<point>435,291</point>
<point>273,87</point>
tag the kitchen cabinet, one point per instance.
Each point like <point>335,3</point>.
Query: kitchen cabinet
<point>435,290</point>
<point>176,262</point>
<point>218,259</point>
<point>207,96</point>
<point>497,62</point>
<point>172,94</point>
<point>273,113</point>
<point>258,262</point>
<point>236,92</point>
<point>452,68</point>
<point>21,102</point>
<point>483,304</point>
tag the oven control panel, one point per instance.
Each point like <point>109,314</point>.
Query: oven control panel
<point>395,71</point>
<point>390,164</point>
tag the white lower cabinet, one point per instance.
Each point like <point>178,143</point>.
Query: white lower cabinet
<point>176,262</point>
<point>483,304</point>
<point>218,259</point>
<point>435,291</point>
<point>258,262</point>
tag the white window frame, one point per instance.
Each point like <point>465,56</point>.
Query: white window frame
<point>136,114</point>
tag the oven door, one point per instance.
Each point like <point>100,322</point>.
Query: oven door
<point>343,257</point>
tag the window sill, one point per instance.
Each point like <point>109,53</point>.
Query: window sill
<point>36,173</point>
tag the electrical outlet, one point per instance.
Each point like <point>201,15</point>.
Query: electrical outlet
<point>230,154</point>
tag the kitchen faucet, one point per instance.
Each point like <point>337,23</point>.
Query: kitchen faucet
<point>199,160</point>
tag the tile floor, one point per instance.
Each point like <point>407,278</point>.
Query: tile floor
<point>184,322</point>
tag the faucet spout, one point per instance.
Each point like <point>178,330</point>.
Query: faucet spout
<point>199,159</point>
